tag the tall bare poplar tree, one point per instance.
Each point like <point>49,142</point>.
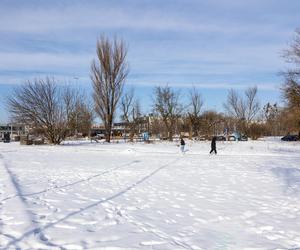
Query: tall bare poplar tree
<point>108,74</point>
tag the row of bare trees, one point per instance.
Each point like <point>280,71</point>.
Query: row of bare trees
<point>240,115</point>
<point>57,111</point>
<point>61,111</point>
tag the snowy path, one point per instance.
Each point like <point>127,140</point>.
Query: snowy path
<point>93,196</point>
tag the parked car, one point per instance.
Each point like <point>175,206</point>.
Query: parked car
<point>6,138</point>
<point>221,138</point>
<point>231,138</point>
<point>290,138</point>
<point>236,136</point>
<point>244,138</point>
<point>100,136</point>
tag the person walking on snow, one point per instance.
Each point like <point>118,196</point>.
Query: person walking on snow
<point>182,144</point>
<point>213,145</point>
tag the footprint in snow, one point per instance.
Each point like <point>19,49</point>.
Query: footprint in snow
<point>64,226</point>
<point>249,214</point>
<point>15,223</point>
<point>131,208</point>
<point>171,221</point>
<point>73,247</point>
<point>109,238</point>
<point>152,243</point>
<point>266,228</point>
<point>43,237</point>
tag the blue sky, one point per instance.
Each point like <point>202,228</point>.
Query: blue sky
<point>213,45</point>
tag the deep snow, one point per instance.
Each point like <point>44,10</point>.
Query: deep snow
<point>150,196</point>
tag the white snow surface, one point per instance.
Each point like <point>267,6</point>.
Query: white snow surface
<point>83,195</point>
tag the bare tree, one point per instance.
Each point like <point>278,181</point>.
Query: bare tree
<point>271,115</point>
<point>131,112</point>
<point>195,111</point>
<point>243,109</point>
<point>291,87</point>
<point>251,103</point>
<point>39,104</point>
<point>167,105</point>
<point>78,111</point>
<point>235,106</point>
<point>211,123</point>
<point>292,54</point>
<point>108,74</point>
<point>127,103</point>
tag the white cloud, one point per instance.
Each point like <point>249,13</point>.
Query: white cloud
<point>43,61</point>
<point>60,79</point>
<point>260,86</point>
<point>80,17</point>
<point>178,55</point>
<point>95,16</point>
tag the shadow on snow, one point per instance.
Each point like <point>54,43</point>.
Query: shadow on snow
<point>122,192</point>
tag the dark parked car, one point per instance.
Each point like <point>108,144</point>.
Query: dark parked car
<point>244,138</point>
<point>221,138</point>
<point>6,138</point>
<point>290,138</point>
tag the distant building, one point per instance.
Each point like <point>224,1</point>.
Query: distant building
<point>118,129</point>
<point>122,129</point>
<point>12,129</point>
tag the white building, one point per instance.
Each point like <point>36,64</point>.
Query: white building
<point>13,129</point>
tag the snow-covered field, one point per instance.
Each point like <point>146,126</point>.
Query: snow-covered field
<point>150,196</point>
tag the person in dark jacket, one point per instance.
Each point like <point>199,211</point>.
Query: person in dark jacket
<point>213,145</point>
<point>182,144</point>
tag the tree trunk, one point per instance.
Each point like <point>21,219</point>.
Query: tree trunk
<point>108,131</point>
<point>190,130</point>
<point>170,135</point>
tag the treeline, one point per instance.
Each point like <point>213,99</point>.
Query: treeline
<point>58,111</point>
